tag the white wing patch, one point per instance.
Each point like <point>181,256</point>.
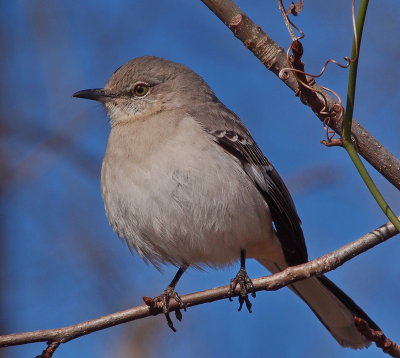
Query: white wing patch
<point>231,136</point>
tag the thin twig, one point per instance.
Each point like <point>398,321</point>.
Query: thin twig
<point>274,58</point>
<point>378,337</point>
<point>317,267</point>
<point>49,351</point>
<point>287,21</point>
<point>351,89</point>
<point>347,121</point>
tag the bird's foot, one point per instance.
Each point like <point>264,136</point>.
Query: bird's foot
<point>164,299</point>
<point>246,287</point>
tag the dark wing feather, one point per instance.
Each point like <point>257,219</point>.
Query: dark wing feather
<point>237,141</point>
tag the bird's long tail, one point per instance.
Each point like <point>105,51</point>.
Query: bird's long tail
<point>332,306</point>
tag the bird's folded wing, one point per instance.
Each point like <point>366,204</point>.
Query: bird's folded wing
<point>229,132</point>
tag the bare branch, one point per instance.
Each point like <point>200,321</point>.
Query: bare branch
<point>292,274</point>
<point>274,58</point>
<point>50,349</point>
<point>388,346</point>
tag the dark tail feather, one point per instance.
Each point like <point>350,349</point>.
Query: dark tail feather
<point>334,309</point>
<point>332,306</point>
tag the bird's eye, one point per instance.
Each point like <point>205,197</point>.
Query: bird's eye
<point>140,89</point>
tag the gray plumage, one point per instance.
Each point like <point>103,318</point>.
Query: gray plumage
<point>184,183</point>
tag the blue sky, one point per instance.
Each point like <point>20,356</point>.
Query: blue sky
<point>62,264</point>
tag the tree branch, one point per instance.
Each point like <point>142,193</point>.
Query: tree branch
<point>274,58</point>
<point>318,266</point>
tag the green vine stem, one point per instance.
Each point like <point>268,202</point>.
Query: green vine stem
<point>347,121</point>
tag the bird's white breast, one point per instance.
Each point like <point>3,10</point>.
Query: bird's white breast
<point>176,196</point>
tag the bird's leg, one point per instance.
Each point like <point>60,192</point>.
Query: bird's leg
<point>169,293</point>
<point>244,282</point>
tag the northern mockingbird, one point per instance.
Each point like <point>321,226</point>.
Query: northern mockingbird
<point>184,183</point>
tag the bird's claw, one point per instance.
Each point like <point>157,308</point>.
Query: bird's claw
<point>246,287</point>
<point>164,299</point>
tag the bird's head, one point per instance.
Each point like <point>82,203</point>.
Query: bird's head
<point>147,85</point>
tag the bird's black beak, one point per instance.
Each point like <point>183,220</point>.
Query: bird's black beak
<point>97,94</point>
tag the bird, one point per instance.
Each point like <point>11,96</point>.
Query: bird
<point>184,183</point>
